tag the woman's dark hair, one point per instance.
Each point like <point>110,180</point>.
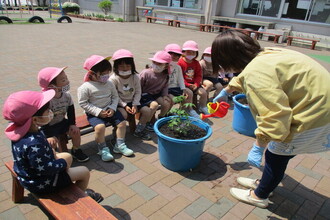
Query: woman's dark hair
<point>233,50</point>
<point>41,111</point>
<point>102,66</point>
<point>127,61</point>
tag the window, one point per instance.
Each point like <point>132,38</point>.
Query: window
<point>174,3</point>
<point>260,7</point>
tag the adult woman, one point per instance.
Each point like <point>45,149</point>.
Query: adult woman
<point>289,97</point>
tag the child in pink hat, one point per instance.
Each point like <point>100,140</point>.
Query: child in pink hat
<point>154,85</point>
<point>192,73</point>
<point>62,107</point>
<point>210,78</point>
<point>38,167</point>
<point>128,85</point>
<point>176,85</point>
<point>99,99</point>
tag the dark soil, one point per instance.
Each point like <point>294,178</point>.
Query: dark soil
<point>243,101</point>
<point>194,132</point>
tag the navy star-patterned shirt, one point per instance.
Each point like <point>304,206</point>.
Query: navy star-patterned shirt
<point>35,164</point>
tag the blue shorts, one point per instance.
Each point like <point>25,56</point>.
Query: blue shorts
<point>147,98</point>
<point>113,121</point>
<point>176,91</point>
<point>57,129</point>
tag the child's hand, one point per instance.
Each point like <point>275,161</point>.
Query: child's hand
<point>110,112</point>
<point>133,109</point>
<point>193,87</point>
<point>53,142</point>
<point>225,79</point>
<point>74,129</point>
<point>103,114</point>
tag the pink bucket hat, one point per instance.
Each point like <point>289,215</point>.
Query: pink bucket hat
<point>19,108</point>
<point>92,61</point>
<point>162,57</point>
<point>190,45</point>
<point>175,48</point>
<point>207,50</point>
<point>122,53</point>
<point>46,75</point>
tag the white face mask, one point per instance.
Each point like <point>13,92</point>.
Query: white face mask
<point>158,68</point>
<point>50,117</point>
<point>208,59</point>
<point>65,88</point>
<point>125,73</point>
<point>190,57</point>
<point>104,78</point>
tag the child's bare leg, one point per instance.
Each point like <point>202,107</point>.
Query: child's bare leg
<point>121,130</point>
<point>218,88</point>
<point>80,175</point>
<point>189,96</point>
<point>99,133</point>
<point>145,113</point>
<point>202,97</point>
<point>66,156</point>
<point>153,107</point>
<point>76,139</point>
<point>165,105</point>
<point>208,85</point>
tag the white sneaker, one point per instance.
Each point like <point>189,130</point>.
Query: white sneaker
<point>123,149</point>
<point>194,114</point>
<point>249,183</point>
<point>244,195</point>
<point>204,110</point>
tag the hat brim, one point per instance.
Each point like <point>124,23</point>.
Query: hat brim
<point>15,132</point>
<point>188,48</point>
<point>158,60</point>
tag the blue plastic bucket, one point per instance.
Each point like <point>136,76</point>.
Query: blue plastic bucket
<point>180,155</point>
<point>243,122</point>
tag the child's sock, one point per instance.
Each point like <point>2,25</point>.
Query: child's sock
<point>140,127</point>
<point>120,141</point>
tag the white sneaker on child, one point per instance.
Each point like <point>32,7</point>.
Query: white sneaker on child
<point>105,154</point>
<point>123,149</point>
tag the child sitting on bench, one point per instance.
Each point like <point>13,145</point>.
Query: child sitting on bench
<point>38,167</point>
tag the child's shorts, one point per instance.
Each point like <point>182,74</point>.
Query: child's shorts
<point>212,79</point>
<point>147,98</point>
<point>62,180</point>
<point>176,91</point>
<point>57,129</point>
<point>113,121</point>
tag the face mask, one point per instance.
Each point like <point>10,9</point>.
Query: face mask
<point>50,117</point>
<point>66,88</point>
<point>125,73</point>
<point>157,68</point>
<point>208,59</point>
<point>104,78</point>
<point>190,57</point>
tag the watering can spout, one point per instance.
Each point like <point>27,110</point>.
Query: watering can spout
<point>216,110</point>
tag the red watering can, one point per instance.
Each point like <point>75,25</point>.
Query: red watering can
<point>216,110</point>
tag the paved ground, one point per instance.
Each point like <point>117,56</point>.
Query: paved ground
<point>140,187</point>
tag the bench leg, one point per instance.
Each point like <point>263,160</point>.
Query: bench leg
<point>289,41</point>
<point>131,122</point>
<point>17,191</point>
<point>177,24</point>
<point>313,45</point>
<point>276,39</point>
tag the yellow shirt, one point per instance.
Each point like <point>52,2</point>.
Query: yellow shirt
<point>288,93</point>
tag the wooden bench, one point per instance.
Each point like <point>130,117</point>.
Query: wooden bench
<point>68,203</point>
<point>169,21</point>
<point>178,23</point>
<point>276,36</point>
<point>85,128</point>
<point>291,38</point>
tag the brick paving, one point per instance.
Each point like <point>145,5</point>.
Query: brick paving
<point>140,187</point>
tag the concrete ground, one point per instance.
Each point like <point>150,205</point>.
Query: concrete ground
<point>140,187</point>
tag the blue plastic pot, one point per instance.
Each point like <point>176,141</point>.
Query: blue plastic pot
<point>243,122</point>
<point>180,155</point>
